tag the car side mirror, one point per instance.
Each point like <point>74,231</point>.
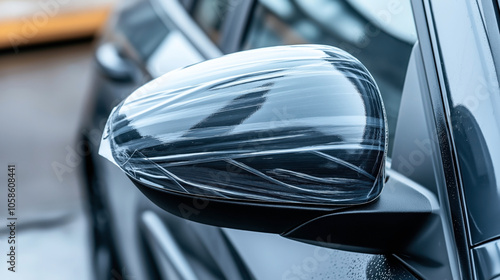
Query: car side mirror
<point>289,140</point>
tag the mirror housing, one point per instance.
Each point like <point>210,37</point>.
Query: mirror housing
<point>266,140</point>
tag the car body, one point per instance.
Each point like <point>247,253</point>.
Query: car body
<point>440,90</point>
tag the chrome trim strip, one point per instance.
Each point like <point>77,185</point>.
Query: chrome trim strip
<point>162,239</point>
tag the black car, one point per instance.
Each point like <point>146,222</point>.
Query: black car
<point>293,139</point>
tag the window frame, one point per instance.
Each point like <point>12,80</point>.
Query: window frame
<point>231,25</point>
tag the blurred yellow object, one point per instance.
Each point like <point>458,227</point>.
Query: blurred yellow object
<point>42,27</point>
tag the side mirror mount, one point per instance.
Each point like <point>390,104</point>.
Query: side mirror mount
<point>289,140</point>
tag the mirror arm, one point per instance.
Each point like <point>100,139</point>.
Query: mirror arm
<point>388,225</point>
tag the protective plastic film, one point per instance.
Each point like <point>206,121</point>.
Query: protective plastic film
<point>295,124</point>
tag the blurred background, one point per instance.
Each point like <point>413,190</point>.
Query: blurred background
<point>45,72</point>
<point>50,88</point>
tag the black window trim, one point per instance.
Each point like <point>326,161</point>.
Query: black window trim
<point>236,25</point>
<point>182,20</point>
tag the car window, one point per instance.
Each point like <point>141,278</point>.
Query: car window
<point>381,35</point>
<point>143,28</point>
<point>210,16</point>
